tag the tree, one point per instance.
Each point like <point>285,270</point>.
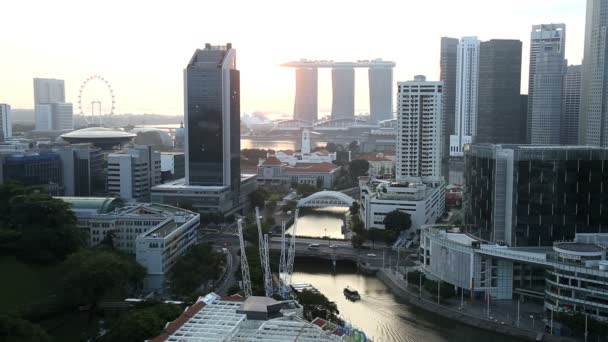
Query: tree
<point>354,208</point>
<point>306,189</point>
<point>315,304</point>
<point>195,269</point>
<point>90,275</point>
<point>143,322</point>
<point>353,146</point>
<point>17,329</point>
<point>357,168</point>
<point>357,241</point>
<point>258,197</point>
<point>331,147</point>
<point>397,221</point>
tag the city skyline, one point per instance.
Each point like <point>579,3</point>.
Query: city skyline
<point>273,37</point>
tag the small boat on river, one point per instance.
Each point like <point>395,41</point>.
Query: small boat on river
<point>351,294</point>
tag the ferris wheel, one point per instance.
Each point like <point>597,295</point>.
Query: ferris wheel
<point>96,100</point>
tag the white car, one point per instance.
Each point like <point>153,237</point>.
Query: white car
<point>334,246</point>
<point>371,255</point>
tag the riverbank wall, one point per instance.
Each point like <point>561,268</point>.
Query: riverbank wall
<point>392,282</point>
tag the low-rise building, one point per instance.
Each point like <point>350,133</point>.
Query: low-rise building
<point>155,234</point>
<point>133,172</point>
<point>274,172</point>
<point>34,169</point>
<point>206,198</point>
<point>423,201</point>
<point>381,164</point>
<point>240,319</point>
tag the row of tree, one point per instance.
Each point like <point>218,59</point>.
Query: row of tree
<point>395,223</point>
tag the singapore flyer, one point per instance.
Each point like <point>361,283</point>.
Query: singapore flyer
<point>96,100</point>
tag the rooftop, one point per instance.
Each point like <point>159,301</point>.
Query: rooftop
<point>101,205</point>
<point>97,133</point>
<point>312,167</point>
<point>579,247</point>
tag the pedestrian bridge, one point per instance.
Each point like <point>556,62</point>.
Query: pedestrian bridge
<point>326,199</point>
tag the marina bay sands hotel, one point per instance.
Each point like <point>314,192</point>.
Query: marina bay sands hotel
<point>343,89</point>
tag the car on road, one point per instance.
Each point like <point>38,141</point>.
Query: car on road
<point>314,246</point>
<point>335,246</point>
<point>371,255</point>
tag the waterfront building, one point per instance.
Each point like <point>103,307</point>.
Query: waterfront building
<point>52,113</point>
<point>34,169</point>
<point>306,103</point>
<point>424,201</point>
<point>133,172</point>
<point>467,78</point>
<point>253,318</point>
<point>83,169</point>
<point>6,124</point>
<point>157,235</point>
<point>380,92</point>
<point>544,38</point>
<point>571,276</point>
<point>526,195</point>
<point>206,198</point>
<point>418,129</point>
<point>571,104</point>
<point>499,117</point>
<point>448,64</point>
<point>593,126</point>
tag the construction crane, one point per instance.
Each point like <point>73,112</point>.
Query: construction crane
<point>283,260</point>
<point>292,250</point>
<point>267,272</point>
<point>244,264</point>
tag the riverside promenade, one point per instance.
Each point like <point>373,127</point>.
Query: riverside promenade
<point>529,329</point>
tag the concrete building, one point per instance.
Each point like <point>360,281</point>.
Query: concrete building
<point>52,113</point>
<point>83,170</point>
<point>212,116</point>
<point>240,319</point>
<point>6,123</point>
<point>273,171</point>
<point>570,276</point>
<point>467,77</point>
<point>544,38</point>
<point>499,116</point>
<point>381,164</point>
<point>133,172</point>
<point>306,104</point>
<point>172,165</point>
<point>526,195</point>
<point>157,235</point>
<point>418,129</point>
<point>423,201</point>
<point>380,93</point>
<point>206,198</point>
<point>448,64</point>
<point>593,123</point>
<point>571,104</point>
<point>343,93</point>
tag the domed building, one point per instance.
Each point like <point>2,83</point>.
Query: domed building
<point>102,137</point>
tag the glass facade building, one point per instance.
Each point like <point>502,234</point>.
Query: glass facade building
<point>212,117</point>
<point>534,195</point>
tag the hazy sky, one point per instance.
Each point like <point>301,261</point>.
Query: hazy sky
<point>141,47</point>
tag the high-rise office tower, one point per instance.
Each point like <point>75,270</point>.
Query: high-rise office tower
<point>467,77</point>
<point>343,93</point>
<point>307,103</point>
<point>593,122</point>
<point>545,120</point>
<point>6,129</point>
<point>52,113</point>
<point>543,38</point>
<point>212,118</point>
<point>499,116</point>
<point>83,169</point>
<point>418,129</point>
<point>571,104</point>
<point>380,92</point>
<point>448,62</point>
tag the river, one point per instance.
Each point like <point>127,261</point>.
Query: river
<point>319,223</point>
<point>379,313</point>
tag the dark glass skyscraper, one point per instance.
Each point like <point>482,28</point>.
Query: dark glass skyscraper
<point>499,116</point>
<point>212,117</point>
<point>449,56</point>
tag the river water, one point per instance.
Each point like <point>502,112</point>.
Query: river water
<point>379,313</point>
<point>320,222</point>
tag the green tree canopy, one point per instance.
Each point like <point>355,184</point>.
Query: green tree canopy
<point>306,189</point>
<point>357,168</point>
<point>258,197</point>
<point>315,304</point>
<point>143,322</point>
<point>90,275</point>
<point>397,221</point>
<point>16,329</point>
<point>354,208</point>
<point>195,268</point>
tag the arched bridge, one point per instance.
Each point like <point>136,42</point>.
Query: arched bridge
<point>326,199</point>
